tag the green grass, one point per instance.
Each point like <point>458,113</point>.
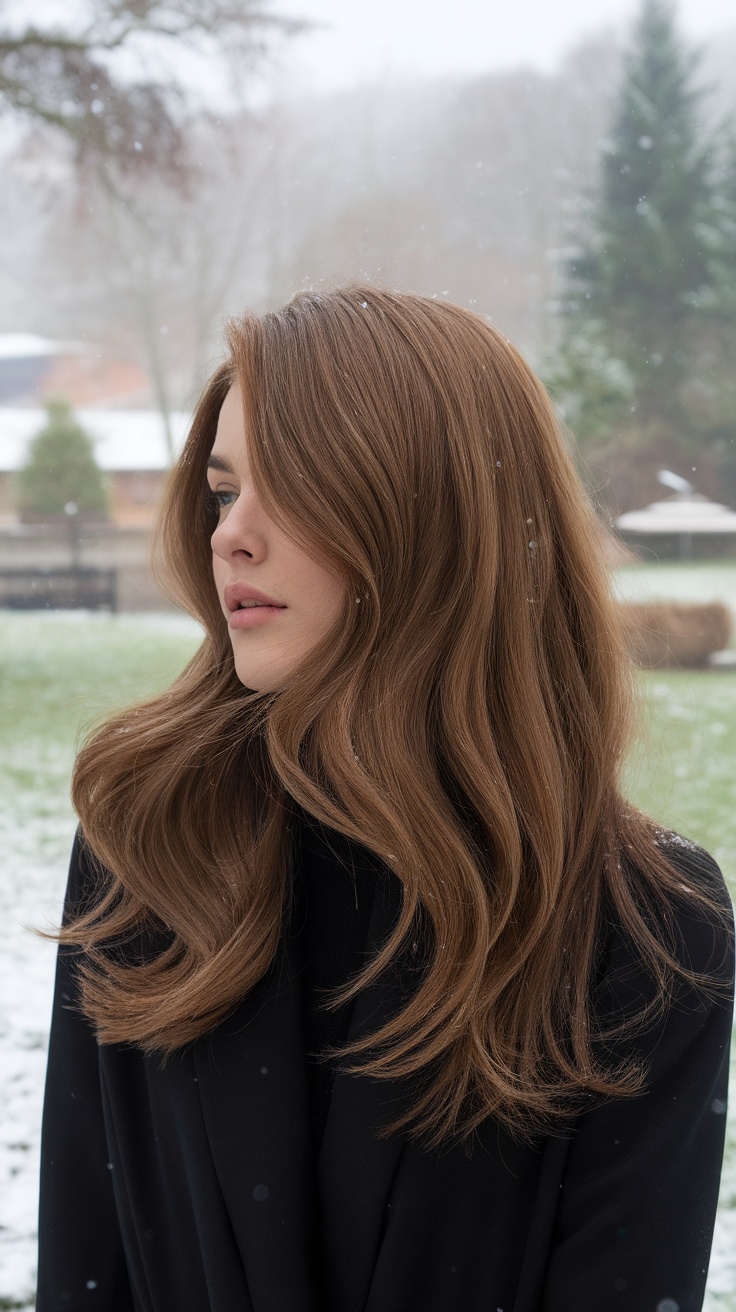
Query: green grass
<point>60,674</point>
<point>683,769</point>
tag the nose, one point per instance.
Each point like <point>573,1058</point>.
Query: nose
<point>240,532</point>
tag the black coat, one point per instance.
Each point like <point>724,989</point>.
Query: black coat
<point>191,1187</point>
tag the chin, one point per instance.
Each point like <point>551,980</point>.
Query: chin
<point>254,681</point>
<point>259,677</point>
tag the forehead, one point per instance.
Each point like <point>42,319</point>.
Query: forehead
<point>229,447</point>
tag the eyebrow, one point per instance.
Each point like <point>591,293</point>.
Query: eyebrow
<point>217,462</point>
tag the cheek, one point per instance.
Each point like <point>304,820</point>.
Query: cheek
<point>316,590</point>
<point>332,598</point>
<point>219,571</point>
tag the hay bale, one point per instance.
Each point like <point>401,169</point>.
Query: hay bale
<point>662,635</point>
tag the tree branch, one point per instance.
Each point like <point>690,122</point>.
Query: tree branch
<point>63,78</point>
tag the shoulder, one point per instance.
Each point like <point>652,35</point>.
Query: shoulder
<point>698,867</point>
<point>693,924</point>
<point>636,1202</point>
<point>699,916</point>
<point>138,937</point>
<point>87,880</point>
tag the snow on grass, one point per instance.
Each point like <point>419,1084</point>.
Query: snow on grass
<point>62,672</point>
<point>683,771</point>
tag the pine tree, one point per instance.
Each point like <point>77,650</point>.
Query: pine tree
<point>61,470</point>
<point>717,375</point>
<point>640,286</point>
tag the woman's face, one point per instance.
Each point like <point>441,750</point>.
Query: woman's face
<point>279,602</point>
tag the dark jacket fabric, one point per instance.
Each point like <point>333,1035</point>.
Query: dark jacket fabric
<point>198,1185</point>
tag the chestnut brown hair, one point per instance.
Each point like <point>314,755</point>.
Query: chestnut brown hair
<point>465,720</point>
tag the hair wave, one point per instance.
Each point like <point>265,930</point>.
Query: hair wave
<point>465,721</point>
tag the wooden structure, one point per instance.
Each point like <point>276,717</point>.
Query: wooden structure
<point>80,588</point>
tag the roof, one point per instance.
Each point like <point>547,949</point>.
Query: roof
<point>682,513</point>
<point>123,439</point>
<point>18,346</point>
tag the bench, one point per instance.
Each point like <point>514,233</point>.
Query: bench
<point>59,589</point>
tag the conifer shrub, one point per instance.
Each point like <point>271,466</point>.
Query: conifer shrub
<point>61,476</point>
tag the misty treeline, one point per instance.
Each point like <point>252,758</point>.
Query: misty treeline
<point>444,188</point>
<point>484,191</point>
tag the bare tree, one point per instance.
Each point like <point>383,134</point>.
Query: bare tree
<point>462,189</point>
<point>155,268</point>
<point>76,75</point>
<point>108,79</point>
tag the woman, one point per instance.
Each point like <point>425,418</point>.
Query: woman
<point>373,994</point>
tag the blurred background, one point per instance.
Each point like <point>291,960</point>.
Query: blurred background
<point>568,170</point>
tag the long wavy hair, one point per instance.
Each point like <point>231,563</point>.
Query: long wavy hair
<point>465,721</point>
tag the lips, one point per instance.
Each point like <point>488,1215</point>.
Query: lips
<point>241,596</point>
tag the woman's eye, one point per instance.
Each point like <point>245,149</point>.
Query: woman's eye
<point>222,499</point>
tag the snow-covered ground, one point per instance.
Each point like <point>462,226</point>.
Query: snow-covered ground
<point>49,665</point>
<point>36,830</point>
<point>30,895</point>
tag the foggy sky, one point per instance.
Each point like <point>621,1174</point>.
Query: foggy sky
<point>366,40</point>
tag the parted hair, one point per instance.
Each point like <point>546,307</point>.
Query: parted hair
<point>465,721</point>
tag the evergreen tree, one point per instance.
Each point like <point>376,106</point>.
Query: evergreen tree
<point>61,470</point>
<point>640,287</point>
<point>718,375</point>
